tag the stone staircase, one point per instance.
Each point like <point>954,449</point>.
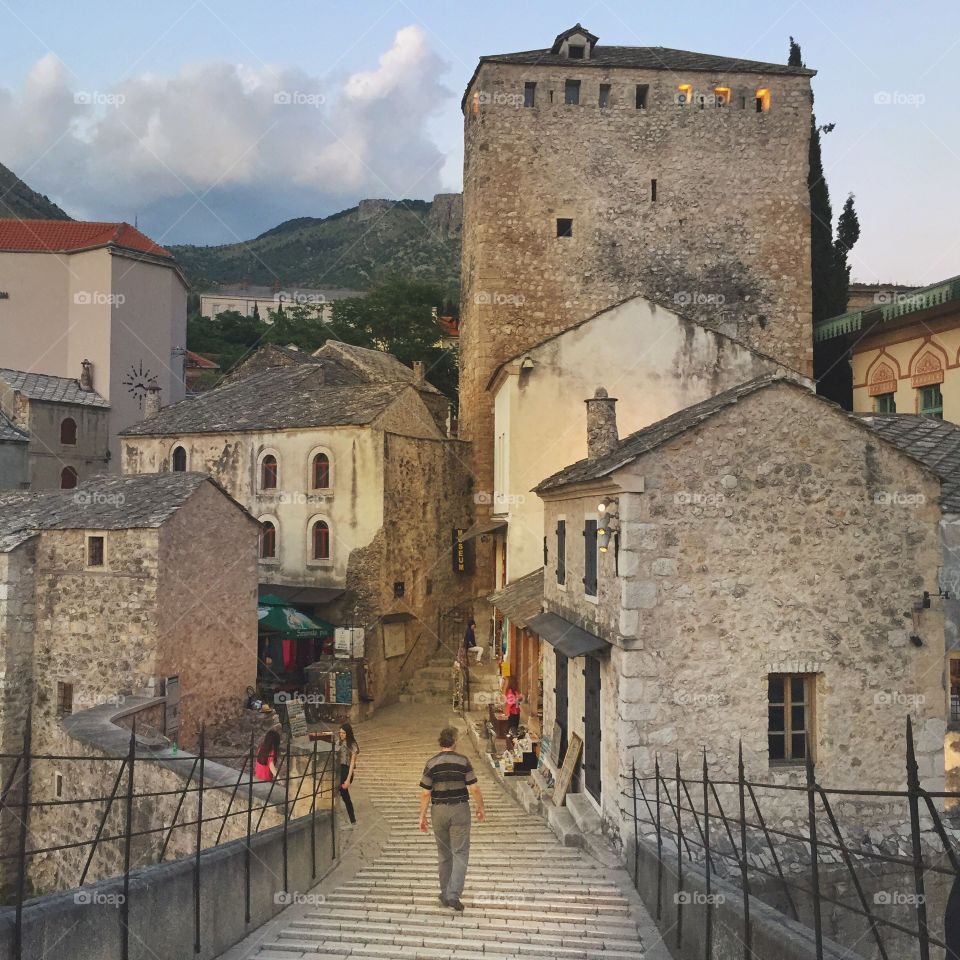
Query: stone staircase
<point>526,895</point>
<point>434,684</point>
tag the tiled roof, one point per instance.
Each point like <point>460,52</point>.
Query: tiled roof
<point>521,600</point>
<point>69,236</point>
<point>10,432</point>
<point>43,386</point>
<point>657,433</point>
<point>935,443</point>
<point>278,398</point>
<point>101,503</point>
<point>199,362</point>
<point>372,365</point>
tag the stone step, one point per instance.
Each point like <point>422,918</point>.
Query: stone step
<point>564,826</point>
<point>584,813</point>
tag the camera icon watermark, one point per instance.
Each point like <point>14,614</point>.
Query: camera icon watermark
<point>688,298</point>
<point>697,898</point>
<point>493,298</point>
<point>298,98</point>
<point>94,498</point>
<point>897,498</point>
<point>898,898</point>
<point>95,98</point>
<point>94,898</point>
<point>96,298</point>
<point>887,98</point>
<point>284,898</point>
<point>499,99</point>
<point>897,698</point>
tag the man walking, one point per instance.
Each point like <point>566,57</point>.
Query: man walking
<point>447,780</point>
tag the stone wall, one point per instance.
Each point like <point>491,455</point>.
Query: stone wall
<point>777,537</point>
<point>727,240</point>
<point>14,466</point>
<point>48,456</point>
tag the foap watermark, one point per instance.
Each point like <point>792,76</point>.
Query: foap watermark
<point>485,498</point>
<point>887,298</point>
<point>97,298</point>
<point>698,298</point>
<point>896,98</point>
<point>692,698</point>
<point>96,98</point>
<point>88,701</point>
<point>300,499</point>
<point>96,498</point>
<point>298,98</point>
<point>898,698</point>
<point>94,898</point>
<point>493,298</point>
<point>300,299</point>
<point>687,898</point>
<point>311,699</point>
<point>898,898</point>
<point>498,99</point>
<point>692,498</point>
<point>898,498</point>
<point>284,898</point>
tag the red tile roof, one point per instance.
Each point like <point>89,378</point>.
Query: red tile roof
<point>450,326</point>
<point>198,362</point>
<point>69,236</point>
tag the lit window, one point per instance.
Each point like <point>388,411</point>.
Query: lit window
<point>94,551</point>
<point>529,93</point>
<point>789,715</point>
<point>722,96</point>
<point>68,432</point>
<point>268,472</point>
<point>476,103</point>
<point>321,541</point>
<point>684,94</point>
<point>268,541</point>
<point>763,100</point>
<point>179,460</point>
<point>604,94</point>
<point>885,403</point>
<point>68,478</point>
<point>571,92</point>
<point>564,227</point>
<point>321,472</point>
<point>931,402</point>
<point>64,699</point>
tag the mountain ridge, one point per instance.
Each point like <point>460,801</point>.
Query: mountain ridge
<point>18,201</point>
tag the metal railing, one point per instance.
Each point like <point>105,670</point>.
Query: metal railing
<point>244,813</point>
<point>686,814</point>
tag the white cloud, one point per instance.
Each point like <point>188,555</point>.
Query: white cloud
<point>222,127</point>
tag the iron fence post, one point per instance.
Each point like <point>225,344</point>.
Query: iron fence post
<point>679,860</point>
<point>913,794</point>
<point>331,760</point>
<point>196,860</point>
<point>286,817</point>
<point>313,817</point>
<point>246,851</point>
<point>708,934</point>
<point>127,843</point>
<point>656,770</point>
<point>814,851</point>
<point>744,872</point>
<point>22,845</point>
<point>636,828</point>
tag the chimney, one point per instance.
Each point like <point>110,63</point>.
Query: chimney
<point>86,375</point>
<point>151,404</point>
<point>419,379</point>
<point>602,437</point>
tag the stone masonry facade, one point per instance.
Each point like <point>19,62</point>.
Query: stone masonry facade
<point>778,536</point>
<point>704,210</point>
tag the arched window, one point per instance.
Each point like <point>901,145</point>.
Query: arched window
<point>268,472</point>
<point>179,459</point>
<point>268,541</point>
<point>68,478</point>
<point>68,431</point>
<point>321,540</point>
<point>321,472</point>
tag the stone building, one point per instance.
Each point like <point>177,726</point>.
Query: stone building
<point>593,173</point>
<point>79,291</point>
<point>760,576</point>
<point>122,586</point>
<point>342,457</point>
<point>904,350</point>
<point>66,424</point>
<point>14,463</point>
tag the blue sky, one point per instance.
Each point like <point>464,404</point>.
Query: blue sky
<point>168,111</point>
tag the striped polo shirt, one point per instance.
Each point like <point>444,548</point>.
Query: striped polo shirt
<point>447,776</point>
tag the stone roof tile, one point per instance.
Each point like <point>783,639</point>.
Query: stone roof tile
<point>51,389</point>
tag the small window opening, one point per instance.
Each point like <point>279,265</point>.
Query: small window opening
<point>64,699</point>
<point>653,191</point>
<point>399,589</point>
<point>575,51</point>
<point>68,478</point>
<point>722,96</point>
<point>529,94</point>
<point>885,403</point>
<point>564,227</point>
<point>763,100</point>
<point>268,541</point>
<point>571,92</point>
<point>931,402</point>
<point>94,551</point>
<point>179,460</point>
<point>268,472</point>
<point>321,541</point>
<point>642,90</point>
<point>790,702</point>
<point>604,94</point>
<point>684,94</point>
<point>68,432</point>
<point>58,784</point>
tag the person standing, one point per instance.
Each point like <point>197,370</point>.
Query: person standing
<point>447,782</point>
<point>512,699</point>
<point>470,642</point>
<point>348,751</point>
<point>268,756</point>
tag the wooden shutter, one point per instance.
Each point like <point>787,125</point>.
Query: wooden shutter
<point>561,551</point>
<point>590,558</point>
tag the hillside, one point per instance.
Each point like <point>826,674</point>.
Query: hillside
<point>355,248</point>
<point>18,200</point>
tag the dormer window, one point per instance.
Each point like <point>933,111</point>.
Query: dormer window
<point>575,51</point>
<point>577,43</point>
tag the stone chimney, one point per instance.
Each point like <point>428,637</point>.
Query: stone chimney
<point>86,375</point>
<point>602,436</point>
<point>419,378</point>
<point>151,403</point>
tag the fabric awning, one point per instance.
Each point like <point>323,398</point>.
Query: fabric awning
<point>275,616</point>
<point>521,600</point>
<point>486,526</point>
<point>567,637</point>
<point>297,594</point>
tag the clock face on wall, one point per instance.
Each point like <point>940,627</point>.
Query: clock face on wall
<point>138,380</point>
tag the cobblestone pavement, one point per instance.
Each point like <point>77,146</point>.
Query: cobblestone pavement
<point>526,895</point>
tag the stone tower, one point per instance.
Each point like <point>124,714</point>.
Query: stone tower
<point>594,173</point>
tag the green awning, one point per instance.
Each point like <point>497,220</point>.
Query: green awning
<point>276,616</point>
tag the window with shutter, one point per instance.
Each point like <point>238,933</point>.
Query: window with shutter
<point>590,558</point>
<point>561,551</point>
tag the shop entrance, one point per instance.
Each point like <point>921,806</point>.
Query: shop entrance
<point>591,728</point>
<point>561,694</point>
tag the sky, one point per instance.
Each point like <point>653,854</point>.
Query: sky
<point>210,121</point>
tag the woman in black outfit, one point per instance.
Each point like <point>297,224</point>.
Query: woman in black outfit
<point>348,752</point>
